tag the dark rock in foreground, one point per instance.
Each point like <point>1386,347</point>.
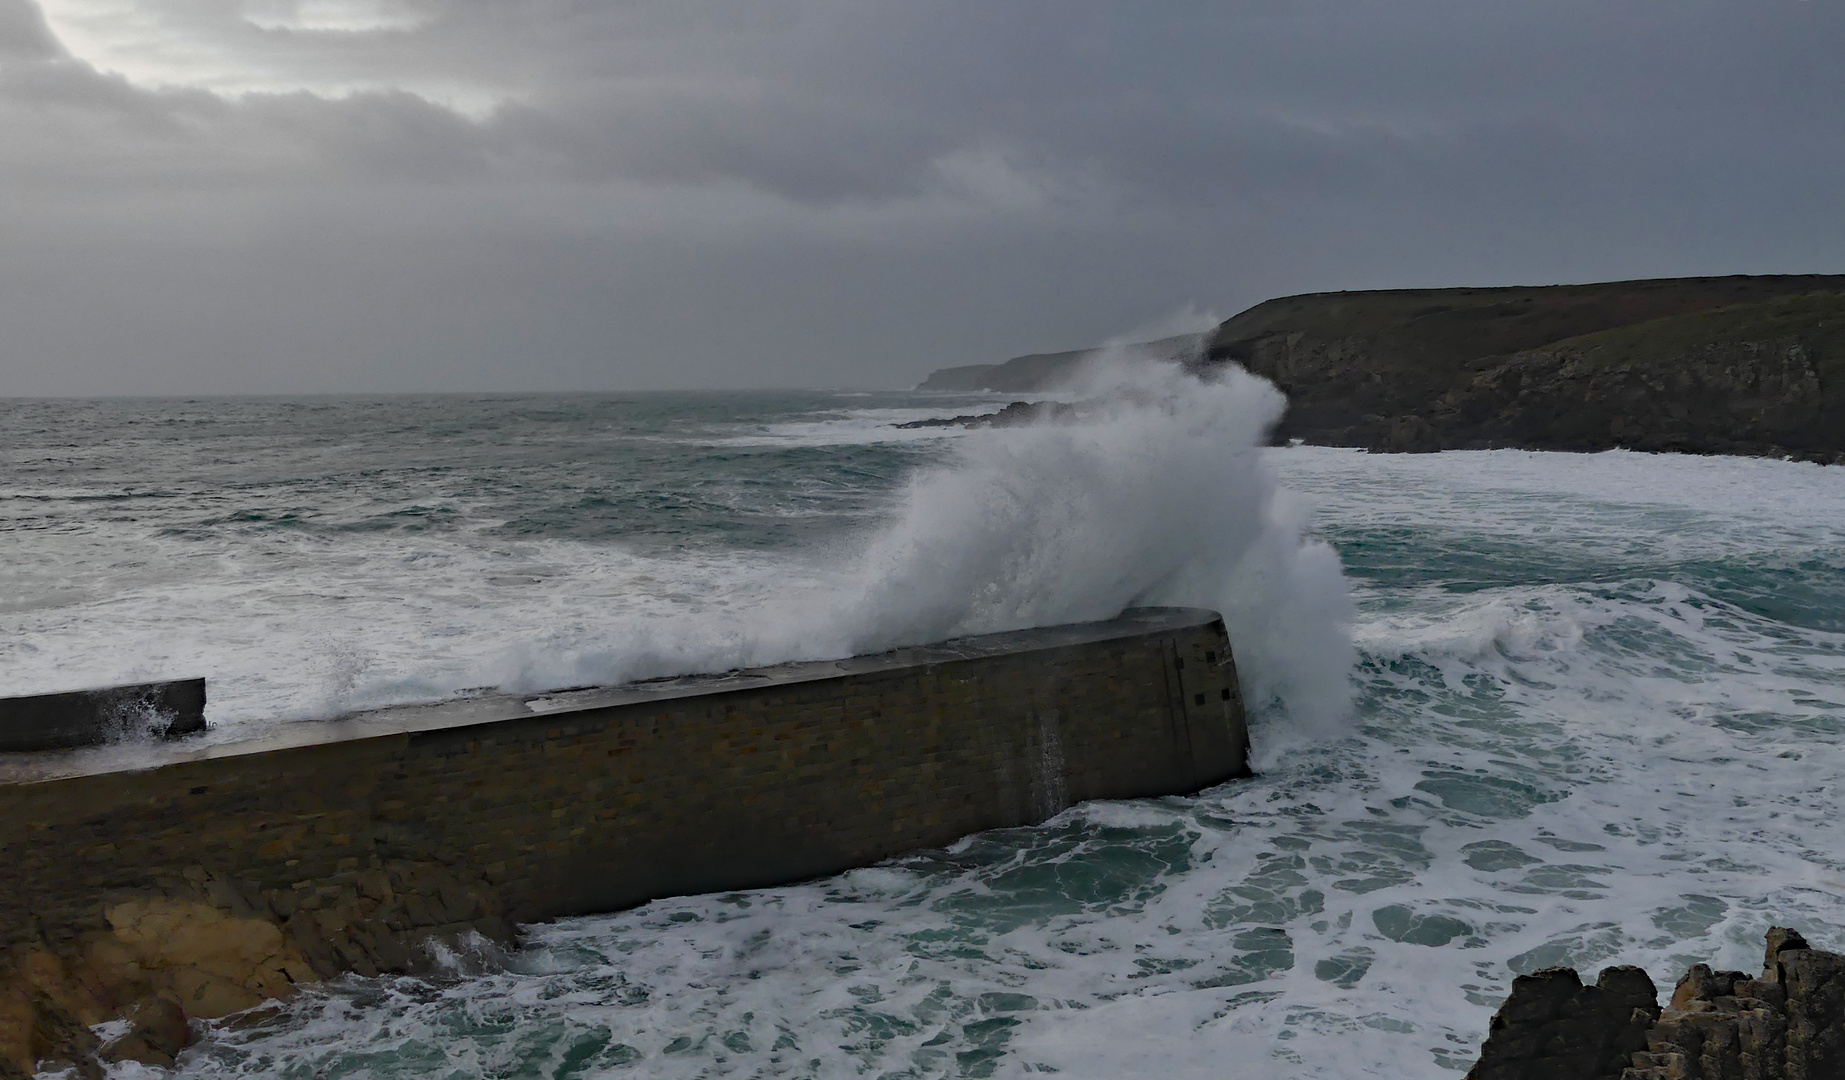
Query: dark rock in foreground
<point>1789,1024</point>
<point>1553,1026</point>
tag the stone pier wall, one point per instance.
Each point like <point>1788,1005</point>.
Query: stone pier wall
<point>174,882</point>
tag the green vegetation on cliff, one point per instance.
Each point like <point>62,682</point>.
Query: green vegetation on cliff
<point>1762,377</point>
<point>1705,365</point>
<point>1737,365</point>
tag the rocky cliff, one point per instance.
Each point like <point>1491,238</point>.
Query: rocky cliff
<point>1732,365</point>
<point>1788,1024</point>
<point>1745,365</point>
<point>204,946</point>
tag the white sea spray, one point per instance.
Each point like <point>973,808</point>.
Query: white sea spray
<point>1159,494</point>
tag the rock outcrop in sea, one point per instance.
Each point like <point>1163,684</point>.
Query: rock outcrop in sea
<point>1787,1024</point>
<point>1730,365</point>
<point>1016,414</point>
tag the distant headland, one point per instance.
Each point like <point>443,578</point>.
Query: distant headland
<point>1713,365</point>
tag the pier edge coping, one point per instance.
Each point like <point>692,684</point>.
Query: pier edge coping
<point>495,708</point>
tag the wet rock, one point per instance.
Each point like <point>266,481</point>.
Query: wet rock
<point>1814,982</point>
<point>60,1040</point>
<point>1552,1027</point>
<point>1789,1024</point>
<point>213,963</point>
<point>16,1016</point>
<point>1410,435</point>
<point>45,1016</point>
<point>1017,414</point>
<point>157,1032</point>
<point>201,945</point>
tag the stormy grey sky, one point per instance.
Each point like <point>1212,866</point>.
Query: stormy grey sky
<point>250,196</point>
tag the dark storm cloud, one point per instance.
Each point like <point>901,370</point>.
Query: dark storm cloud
<point>24,35</point>
<point>555,194</point>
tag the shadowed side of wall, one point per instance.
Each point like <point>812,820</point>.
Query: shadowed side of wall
<point>212,884</point>
<point>94,717</point>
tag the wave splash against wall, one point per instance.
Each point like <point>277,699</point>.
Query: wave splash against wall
<point>1158,496</point>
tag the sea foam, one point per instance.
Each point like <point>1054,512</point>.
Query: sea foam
<point>1598,720</point>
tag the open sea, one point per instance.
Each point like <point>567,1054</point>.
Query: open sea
<point>1513,709</point>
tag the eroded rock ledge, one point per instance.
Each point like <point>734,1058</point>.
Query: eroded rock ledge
<point>203,946</point>
<point>1787,1024</point>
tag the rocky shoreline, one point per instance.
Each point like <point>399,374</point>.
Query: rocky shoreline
<point>1736,365</point>
<point>1786,1024</point>
<point>203,946</point>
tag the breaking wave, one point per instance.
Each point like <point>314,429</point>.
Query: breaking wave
<point>375,576</point>
<point>1157,494</point>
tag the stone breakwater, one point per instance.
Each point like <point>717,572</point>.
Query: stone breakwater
<point>1787,1024</point>
<point>159,884</point>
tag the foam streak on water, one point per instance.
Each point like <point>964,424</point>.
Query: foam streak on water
<point>1599,716</point>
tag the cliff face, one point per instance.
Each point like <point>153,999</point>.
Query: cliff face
<point>1746,379</point>
<point>1704,365</point>
<point>1732,365</point>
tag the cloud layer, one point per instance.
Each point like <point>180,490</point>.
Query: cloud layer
<point>354,195</point>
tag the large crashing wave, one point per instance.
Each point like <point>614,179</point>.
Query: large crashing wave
<point>1158,494</point>
<point>354,577</point>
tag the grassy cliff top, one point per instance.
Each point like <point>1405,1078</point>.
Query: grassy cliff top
<point>1816,320</point>
<point>1444,332</point>
<point>1400,349</point>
